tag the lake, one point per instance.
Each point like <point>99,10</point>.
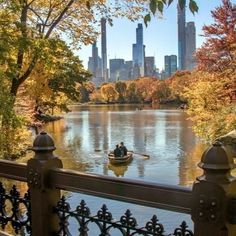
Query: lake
<point>86,134</point>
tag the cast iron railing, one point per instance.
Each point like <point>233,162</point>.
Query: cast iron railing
<point>211,202</point>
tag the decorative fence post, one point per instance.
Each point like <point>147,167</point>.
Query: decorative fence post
<point>214,194</point>
<point>43,196</point>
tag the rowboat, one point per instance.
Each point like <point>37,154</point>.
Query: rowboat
<point>120,160</point>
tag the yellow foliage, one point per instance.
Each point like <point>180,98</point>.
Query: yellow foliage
<point>210,108</point>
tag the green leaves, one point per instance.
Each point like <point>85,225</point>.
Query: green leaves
<point>147,19</point>
<point>153,6</point>
<point>193,6</point>
<point>158,5</point>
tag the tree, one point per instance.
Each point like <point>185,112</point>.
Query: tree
<point>162,92</point>
<point>178,82</point>
<point>145,88</point>
<point>109,93</point>
<point>131,93</point>
<point>121,89</point>
<point>212,113</point>
<point>217,52</point>
<point>85,89</point>
<point>212,91</point>
<point>54,83</point>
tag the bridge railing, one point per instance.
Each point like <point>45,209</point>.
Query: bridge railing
<point>211,201</point>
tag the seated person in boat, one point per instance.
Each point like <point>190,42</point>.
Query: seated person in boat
<point>123,149</point>
<point>117,151</point>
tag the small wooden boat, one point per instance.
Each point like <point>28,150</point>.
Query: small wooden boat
<point>120,160</point>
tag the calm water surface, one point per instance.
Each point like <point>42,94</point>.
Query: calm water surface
<point>87,133</point>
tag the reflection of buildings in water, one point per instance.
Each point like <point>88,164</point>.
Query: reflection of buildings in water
<point>99,126</point>
<point>144,134</point>
<point>99,137</point>
<point>140,138</point>
<point>139,135</point>
<point>159,132</point>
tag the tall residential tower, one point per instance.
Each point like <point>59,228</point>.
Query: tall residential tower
<point>181,38</point>
<point>190,45</point>
<point>104,49</point>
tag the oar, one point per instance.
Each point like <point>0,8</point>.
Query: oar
<point>100,150</point>
<point>141,154</point>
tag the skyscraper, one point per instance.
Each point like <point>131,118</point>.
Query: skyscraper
<point>138,53</point>
<point>117,67</point>
<point>94,58</point>
<point>170,65</point>
<point>181,38</point>
<point>190,45</point>
<point>104,49</point>
<point>150,66</point>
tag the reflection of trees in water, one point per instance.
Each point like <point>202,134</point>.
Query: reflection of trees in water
<point>191,156</point>
<point>188,170</point>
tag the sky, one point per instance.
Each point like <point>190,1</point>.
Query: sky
<point>160,36</point>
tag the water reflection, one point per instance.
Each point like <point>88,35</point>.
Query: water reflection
<point>119,170</point>
<point>164,134</point>
<point>85,135</point>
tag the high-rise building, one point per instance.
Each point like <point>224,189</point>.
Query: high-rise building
<point>117,67</point>
<point>93,64</point>
<point>190,45</point>
<point>129,69</point>
<point>104,49</point>
<point>138,53</point>
<point>150,66</point>
<point>170,65</point>
<point>181,38</point>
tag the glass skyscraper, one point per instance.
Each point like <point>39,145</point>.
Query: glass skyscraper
<point>138,53</point>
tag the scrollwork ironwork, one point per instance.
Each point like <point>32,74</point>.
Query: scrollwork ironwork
<point>19,219</point>
<point>182,230</point>
<point>127,224</point>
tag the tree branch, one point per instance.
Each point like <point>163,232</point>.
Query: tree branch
<point>58,19</point>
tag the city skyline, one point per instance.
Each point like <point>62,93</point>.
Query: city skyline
<point>160,37</point>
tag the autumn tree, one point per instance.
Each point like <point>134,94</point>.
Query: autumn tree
<point>177,84</point>
<point>145,88</point>
<point>109,93</point>
<point>217,52</point>
<point>162,92</point>
<point>85,90</point>
<point>121,89</point>
<point>131,93</point>
<point>211,94</point>
<point>212,113</point>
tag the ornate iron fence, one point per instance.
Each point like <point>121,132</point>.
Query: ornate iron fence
<point>211,202</point>
<point>126,225</point>
<point>18,212</point>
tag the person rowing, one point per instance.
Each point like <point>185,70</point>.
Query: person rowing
<point>117,151</point>
<point>123,149</point>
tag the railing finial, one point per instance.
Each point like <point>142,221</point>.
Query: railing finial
<point>43,146</point>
